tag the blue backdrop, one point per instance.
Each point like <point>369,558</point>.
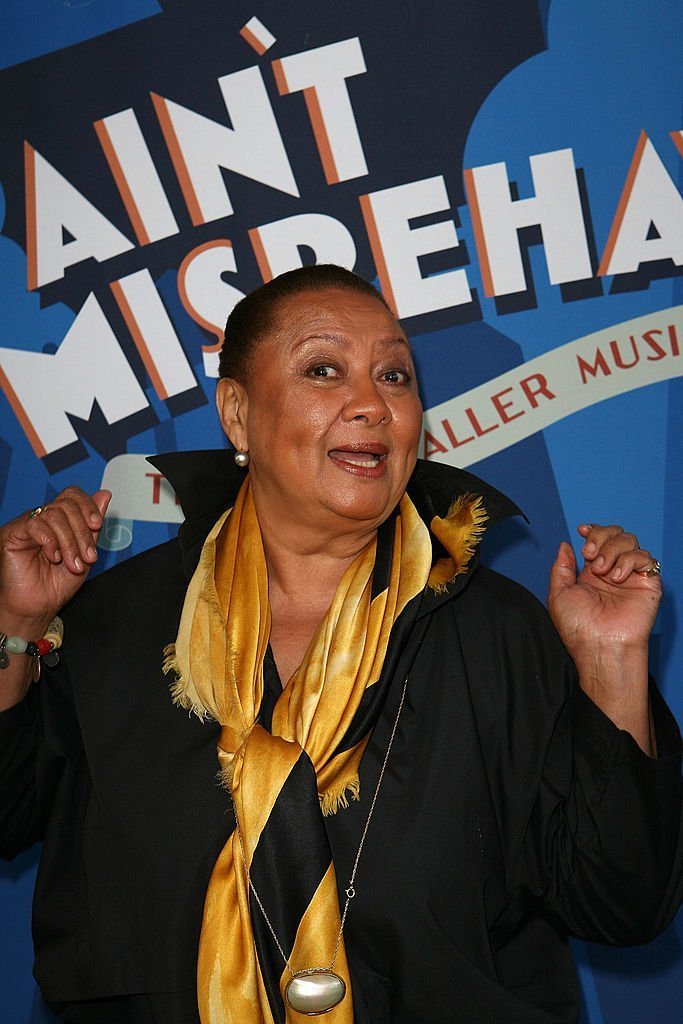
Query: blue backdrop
<point>509,174</point>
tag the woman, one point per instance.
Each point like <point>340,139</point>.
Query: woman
<point>426,799</point>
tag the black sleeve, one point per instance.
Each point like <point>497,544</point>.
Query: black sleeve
<point>20,824</point>
<point>590,825</point>
<point>42,762</point>
<point>604,840</point>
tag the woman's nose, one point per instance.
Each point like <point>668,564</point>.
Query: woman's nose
<point>367,402</point>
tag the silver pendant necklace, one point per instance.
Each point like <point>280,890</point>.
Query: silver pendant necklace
<point>317,990</point>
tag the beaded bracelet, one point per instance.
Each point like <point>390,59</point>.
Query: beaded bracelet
<point>46,648</point>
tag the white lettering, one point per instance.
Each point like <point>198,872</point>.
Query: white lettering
<point>44,389</point>
<point>153,333</point>
<point>649,198</point>
<point>200,147</point>
<point>276,245</point>
<point>136,177</point>
<point>496,219</point>
<point>396,247</point>
<point>55,206</point>
<point>321,75</point>
<point>206,296</point>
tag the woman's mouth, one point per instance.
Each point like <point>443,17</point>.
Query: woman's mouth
<point>367,461</point>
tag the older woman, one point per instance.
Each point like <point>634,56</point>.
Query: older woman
<point>422,793</point>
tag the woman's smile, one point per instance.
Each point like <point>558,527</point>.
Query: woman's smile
<point>368,459</point>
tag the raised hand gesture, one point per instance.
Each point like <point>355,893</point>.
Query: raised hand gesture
<point>45,556</point>
<point>604,616</point>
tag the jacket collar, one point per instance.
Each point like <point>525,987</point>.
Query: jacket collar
<point>206,483</point>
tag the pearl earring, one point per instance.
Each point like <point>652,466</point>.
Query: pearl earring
<point>241,459</point>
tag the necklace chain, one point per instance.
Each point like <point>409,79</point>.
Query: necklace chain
<point>350,889</point>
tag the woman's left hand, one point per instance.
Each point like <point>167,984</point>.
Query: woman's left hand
<point>610,603</point>
<point>604,617</point>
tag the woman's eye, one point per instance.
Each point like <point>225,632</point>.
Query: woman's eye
<point>396,376</point>
<point>323,371</point>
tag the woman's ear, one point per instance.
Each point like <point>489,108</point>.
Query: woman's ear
<point>232,404</point>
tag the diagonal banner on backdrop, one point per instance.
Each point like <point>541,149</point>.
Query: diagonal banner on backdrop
<point>522,401</point>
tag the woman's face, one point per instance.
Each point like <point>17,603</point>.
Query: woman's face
<point>330,413</point>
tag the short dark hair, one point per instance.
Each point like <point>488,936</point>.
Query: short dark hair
<point>255,314</point>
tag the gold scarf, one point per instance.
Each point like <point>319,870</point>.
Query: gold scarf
<point>273,777</point>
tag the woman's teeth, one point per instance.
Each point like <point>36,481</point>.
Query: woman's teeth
<point>368,459</point>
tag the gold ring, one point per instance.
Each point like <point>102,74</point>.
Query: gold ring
<point>36,511</point>
<point>654,570</point>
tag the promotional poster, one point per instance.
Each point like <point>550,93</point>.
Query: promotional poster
<point>509,175</point>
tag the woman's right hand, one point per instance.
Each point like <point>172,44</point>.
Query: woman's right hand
<point>45,558</point>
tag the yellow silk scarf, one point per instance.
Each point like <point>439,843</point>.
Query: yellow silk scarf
<point>218,660</point>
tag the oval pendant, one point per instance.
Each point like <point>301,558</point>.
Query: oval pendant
<point>315,991</point>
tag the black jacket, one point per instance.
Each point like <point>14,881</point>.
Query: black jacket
<point>511,813</point>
